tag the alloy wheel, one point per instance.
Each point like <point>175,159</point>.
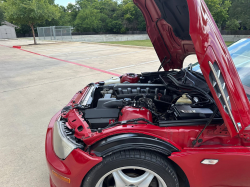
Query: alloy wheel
<point>131,177</point>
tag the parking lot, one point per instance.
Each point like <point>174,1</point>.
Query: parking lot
<point>36,82</point>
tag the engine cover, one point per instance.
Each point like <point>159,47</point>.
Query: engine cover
<point>129,112</point>
<point>131,90</point>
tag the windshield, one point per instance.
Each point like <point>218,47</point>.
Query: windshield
<point>240,53</point>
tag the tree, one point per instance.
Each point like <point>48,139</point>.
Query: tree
<point>72,11</point>
<point>233,24</point>
<point>1,13</point>
<point>109,16</point>
<point>219,10</point>
<point>30,12</point>
<point>88,20</point>
<point>64,19</point>
<point>239,12</point>
<point>51,2</point>
<point>133,18</point>
<point>110,22</point>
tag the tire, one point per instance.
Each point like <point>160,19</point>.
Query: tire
<point>141,161</point>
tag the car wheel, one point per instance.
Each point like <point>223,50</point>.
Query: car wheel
<point>132,168</point>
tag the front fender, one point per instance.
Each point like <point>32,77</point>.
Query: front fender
<point>121,142</point>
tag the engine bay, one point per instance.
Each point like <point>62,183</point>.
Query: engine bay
<point>158,98</point>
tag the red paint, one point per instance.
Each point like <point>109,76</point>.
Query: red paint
<point>210,46</point>
<point>75,121</point>
<point>96,69</point>
<point>130,77</point>
<point>74,167</point>
<point>4,45</point>
<point>217,143</point>
<point>232,170</point>
<point>17,47</point>
<point>133,113</point>
<point>220,142</point>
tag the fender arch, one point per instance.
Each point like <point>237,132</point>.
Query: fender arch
<point>121,142</point>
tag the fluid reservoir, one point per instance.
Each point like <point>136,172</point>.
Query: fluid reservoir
<point>129,112</point>
<point>113,80</point>
<point>130,77</point>
<point>183,100</point>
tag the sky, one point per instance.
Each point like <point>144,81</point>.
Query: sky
<point>64,2</point>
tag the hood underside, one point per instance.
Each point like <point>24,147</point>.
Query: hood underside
<point>168,28</point>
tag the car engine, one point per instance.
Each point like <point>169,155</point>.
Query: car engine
<point>159,98</point>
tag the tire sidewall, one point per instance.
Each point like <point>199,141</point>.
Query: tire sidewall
<point>105,167</point>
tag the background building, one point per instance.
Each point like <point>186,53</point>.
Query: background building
<point>7,31</point>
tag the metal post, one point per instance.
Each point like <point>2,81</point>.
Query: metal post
<point>38,32</point>
<point>70,32</point>
<point>43,33</point>
<point>61,34</point>
<point>54,31</point>
<point>50,33</point>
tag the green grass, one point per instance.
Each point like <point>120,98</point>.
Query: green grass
<point>228,43</point>
<point>145,43</point>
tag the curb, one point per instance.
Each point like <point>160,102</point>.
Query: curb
<point>17,47</point>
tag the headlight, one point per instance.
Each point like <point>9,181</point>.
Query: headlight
<point>62,146</point>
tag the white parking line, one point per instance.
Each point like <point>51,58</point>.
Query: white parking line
<point>104,56</point>
<point>132,65</point>
<point>82,51</point>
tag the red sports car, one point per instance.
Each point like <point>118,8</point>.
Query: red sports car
<point>186,127</point>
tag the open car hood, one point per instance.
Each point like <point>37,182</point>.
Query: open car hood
<point>178,28</point>
<point>168,28</point>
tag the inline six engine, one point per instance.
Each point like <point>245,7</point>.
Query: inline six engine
<point>159,98</point>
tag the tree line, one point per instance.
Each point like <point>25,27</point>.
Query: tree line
<point>108,16</point>
<point>103,16</point>
<point>230,14</point>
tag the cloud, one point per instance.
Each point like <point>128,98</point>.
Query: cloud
<point>72,3</point>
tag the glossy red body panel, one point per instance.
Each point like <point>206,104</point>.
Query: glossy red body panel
<point>129,112</point>
<point>210,46</point>
<point>75,121</point>
<point>247,89</point>
<point>130,77</point>
<point>232,170</point>
<point>220,142</point>
<point>74,167</point>
<point>217,143</point>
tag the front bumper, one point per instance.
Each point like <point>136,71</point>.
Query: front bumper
<point>74,167</point>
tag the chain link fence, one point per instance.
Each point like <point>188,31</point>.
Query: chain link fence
<point>55,33</point>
